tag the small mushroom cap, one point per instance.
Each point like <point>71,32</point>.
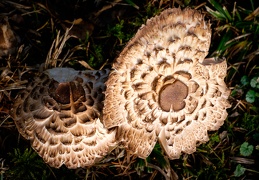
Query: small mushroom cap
<point>160,90</point>
<point>59,112</point>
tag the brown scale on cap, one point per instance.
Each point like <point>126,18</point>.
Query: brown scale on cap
<point>162,87</point>
<point>60,113</point>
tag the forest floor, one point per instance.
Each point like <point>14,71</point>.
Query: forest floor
<point>100,32</point>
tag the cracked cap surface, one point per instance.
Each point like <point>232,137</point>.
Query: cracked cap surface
<point>159,89</point>
<point>60,113</point>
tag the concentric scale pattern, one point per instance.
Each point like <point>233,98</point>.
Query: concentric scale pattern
<point>162,87</point>
<point>59,112</point>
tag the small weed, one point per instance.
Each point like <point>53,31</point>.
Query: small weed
<point>240,170</point>
<point>27,165</point>
<point>118,32</point>
<point>246,149</point>
<point>252,88</point>
<point>95,56</point>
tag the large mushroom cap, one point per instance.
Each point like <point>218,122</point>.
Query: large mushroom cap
<point>163,88</point>
<point>59,112</point>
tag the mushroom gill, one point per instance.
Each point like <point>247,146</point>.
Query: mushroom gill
<point>59,112</point>
<point>162,88</point>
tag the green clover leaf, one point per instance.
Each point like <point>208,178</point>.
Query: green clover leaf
<point>250,96</point>
<point>255,82</point>
<point>240,170</point>
<point>246,149</point>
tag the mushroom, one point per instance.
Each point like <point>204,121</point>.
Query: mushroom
<point>162,87</point>
<point>60,113</point>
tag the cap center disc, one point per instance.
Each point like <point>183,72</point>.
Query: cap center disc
<point>172,95</point>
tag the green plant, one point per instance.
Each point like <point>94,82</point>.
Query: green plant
<point>246,149</point>
<point>96,56</point>
<point>252,86</point>
<point>156,161</point>
<point>119,33</point>
<point>240,39</point>
<point>240,170</point>
<point>27,165</point>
